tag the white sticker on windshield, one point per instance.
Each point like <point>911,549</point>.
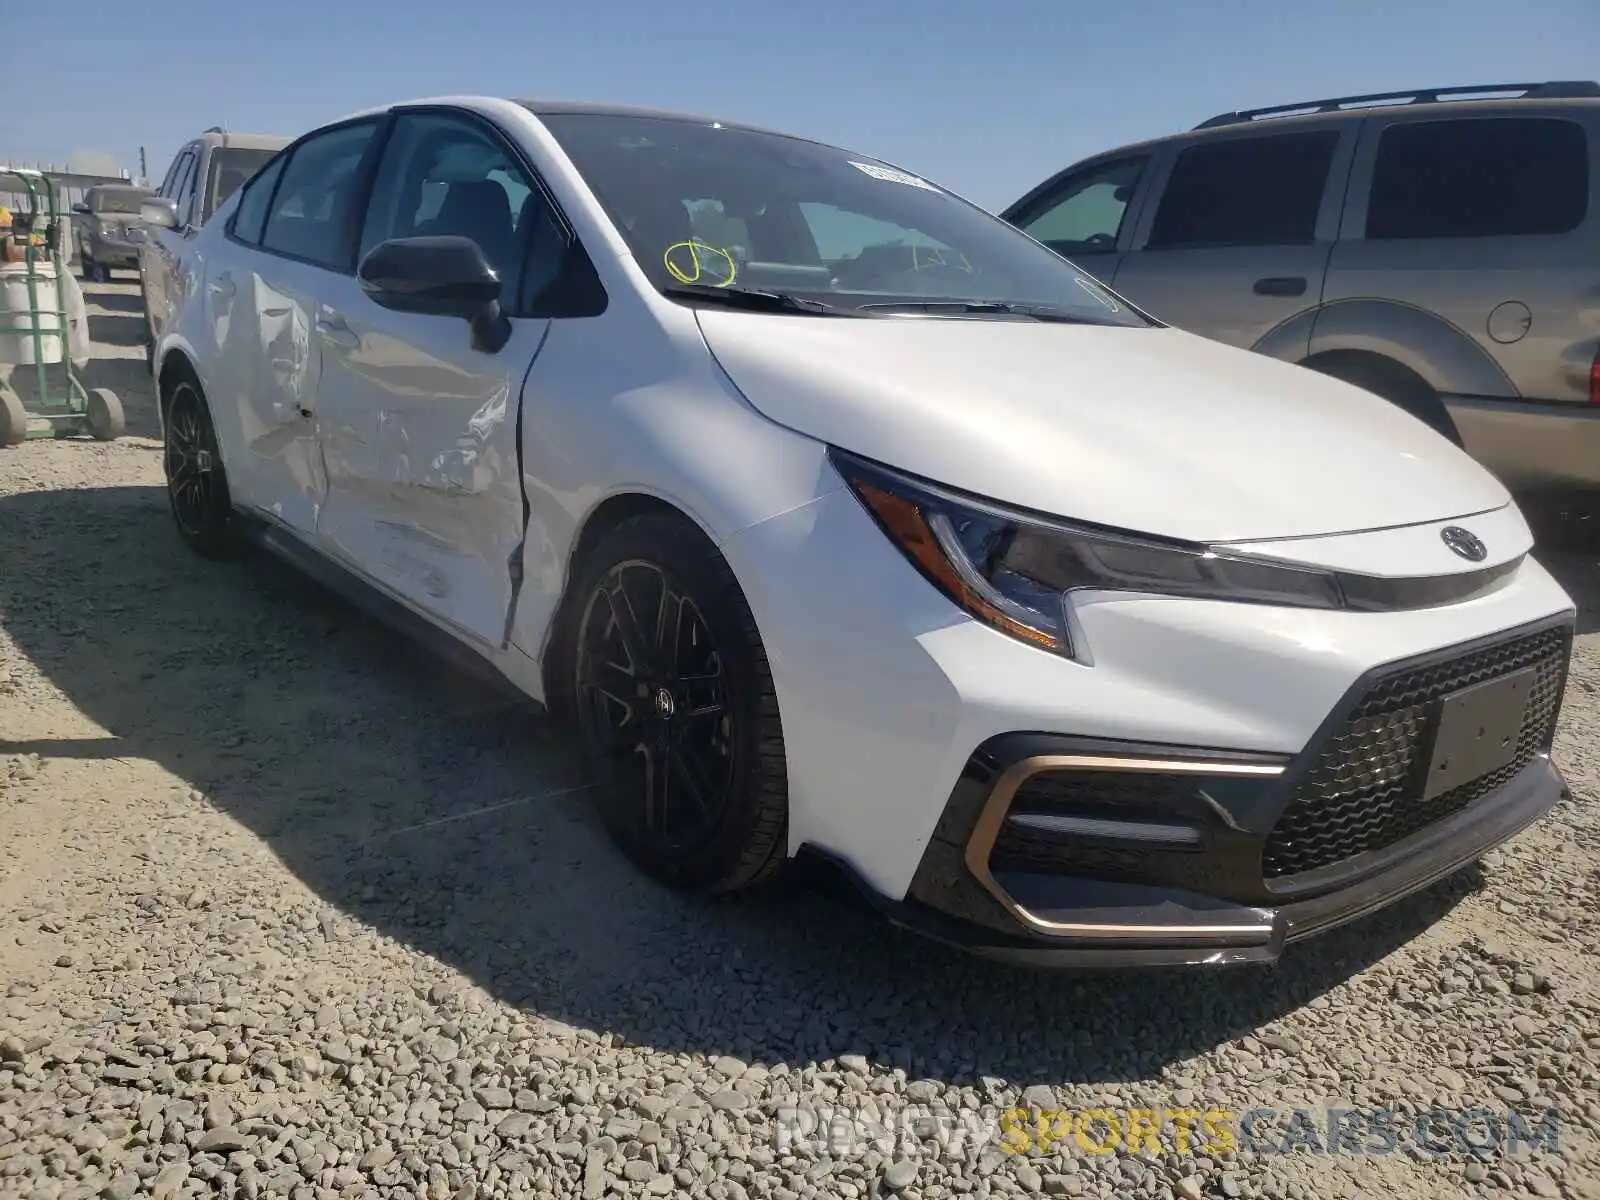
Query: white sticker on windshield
<point>890,175</point>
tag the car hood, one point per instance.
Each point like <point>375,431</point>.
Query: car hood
<point>1151,430</point>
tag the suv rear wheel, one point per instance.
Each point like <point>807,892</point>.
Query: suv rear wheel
<point>1399,385</point>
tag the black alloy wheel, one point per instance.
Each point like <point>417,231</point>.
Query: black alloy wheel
<point>197,487</point>
<point>675,706</point>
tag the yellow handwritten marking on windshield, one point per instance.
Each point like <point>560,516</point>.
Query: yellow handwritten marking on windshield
<point>679,271</point>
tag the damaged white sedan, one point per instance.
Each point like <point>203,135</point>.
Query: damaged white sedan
<point>840,516</point>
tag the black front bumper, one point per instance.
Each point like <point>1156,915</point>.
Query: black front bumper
<point>1071,852</point>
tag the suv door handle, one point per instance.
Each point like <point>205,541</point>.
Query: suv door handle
<point>1281,285</point>
<point>336,331</point>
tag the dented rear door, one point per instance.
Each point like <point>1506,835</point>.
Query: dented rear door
<point>419,443</point>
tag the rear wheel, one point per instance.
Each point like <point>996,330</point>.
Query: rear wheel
<point>676,708</point>
<point>1399,385</point>
<point>197,486</point>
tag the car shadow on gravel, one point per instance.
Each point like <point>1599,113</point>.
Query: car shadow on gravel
<point>118,302</point>
<point>116,329</point>
<point>130,379</point>
<point>1566,529</point>
<point>441,812</point>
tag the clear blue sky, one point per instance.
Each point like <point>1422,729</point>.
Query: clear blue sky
<point>984,98</point>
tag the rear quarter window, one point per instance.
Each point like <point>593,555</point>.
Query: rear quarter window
<point>1479,177</point>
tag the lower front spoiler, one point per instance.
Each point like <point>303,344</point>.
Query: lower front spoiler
<point>1115,925</point>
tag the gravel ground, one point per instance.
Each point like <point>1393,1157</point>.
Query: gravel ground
<point>288,909</point>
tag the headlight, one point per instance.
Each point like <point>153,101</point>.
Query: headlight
<point>1015,570</point>
<point>107,229</point>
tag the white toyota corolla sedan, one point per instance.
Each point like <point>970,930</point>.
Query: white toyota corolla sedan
<point>841,517</point>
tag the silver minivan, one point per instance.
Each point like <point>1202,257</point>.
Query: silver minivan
<point>1439,247</point>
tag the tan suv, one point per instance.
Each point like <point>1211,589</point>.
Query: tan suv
<point>1438,247</point>
<point>203,174</point>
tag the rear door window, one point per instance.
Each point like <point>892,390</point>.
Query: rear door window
<point>1479,177</point>
<point>251,215</point>
<point>185,192</point>
<point>1253,191</point>
<point>169,184</point>
<point>314,211</point>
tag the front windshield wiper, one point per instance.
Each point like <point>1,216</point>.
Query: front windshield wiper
<point>1036,312</point>
<point>750,298</point>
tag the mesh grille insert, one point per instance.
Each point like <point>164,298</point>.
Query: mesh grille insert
<point>1365,791</point>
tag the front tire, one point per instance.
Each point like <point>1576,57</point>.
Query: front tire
<point>197,485</point>
<point>676,709</point>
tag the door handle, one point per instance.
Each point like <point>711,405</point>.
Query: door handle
<point>1281,285</point>
<point>336,331</point>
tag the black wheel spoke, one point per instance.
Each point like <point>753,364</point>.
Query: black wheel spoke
<point>694,785</point>
<point>669,627</point>
<point>189,479</point>
<point>705,712</point>
<point>632,637</point>
<point>657,788</point>
<point>653,705</point>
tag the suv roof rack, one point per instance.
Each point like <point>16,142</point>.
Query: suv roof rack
<point>1569,89</point>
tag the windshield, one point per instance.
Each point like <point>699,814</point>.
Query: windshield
<point>707,206</point>
<point>231,168</point>
<point>123,200</point>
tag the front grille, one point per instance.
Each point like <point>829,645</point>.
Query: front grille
<point>1365,791</point>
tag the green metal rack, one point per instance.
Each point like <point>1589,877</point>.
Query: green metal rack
<point>59,405</point>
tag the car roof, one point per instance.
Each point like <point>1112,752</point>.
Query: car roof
<point>103,189</point>
<point>1229,124</point>
<point>555,107</point>
<point>244,141</point>
<point>595,108</point>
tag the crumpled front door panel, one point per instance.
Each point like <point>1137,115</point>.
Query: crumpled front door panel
<point>419,440</point>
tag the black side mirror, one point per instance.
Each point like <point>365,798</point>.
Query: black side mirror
<point>440,276</point>
<point>80,207</point>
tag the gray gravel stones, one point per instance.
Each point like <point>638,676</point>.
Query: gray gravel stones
<point>295,968</point>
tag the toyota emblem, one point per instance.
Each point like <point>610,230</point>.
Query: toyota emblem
<point>1465,543</point>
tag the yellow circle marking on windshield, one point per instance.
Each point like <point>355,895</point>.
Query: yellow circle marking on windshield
<point>681,272</point>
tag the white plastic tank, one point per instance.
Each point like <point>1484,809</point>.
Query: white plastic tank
<point>16,347</point>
